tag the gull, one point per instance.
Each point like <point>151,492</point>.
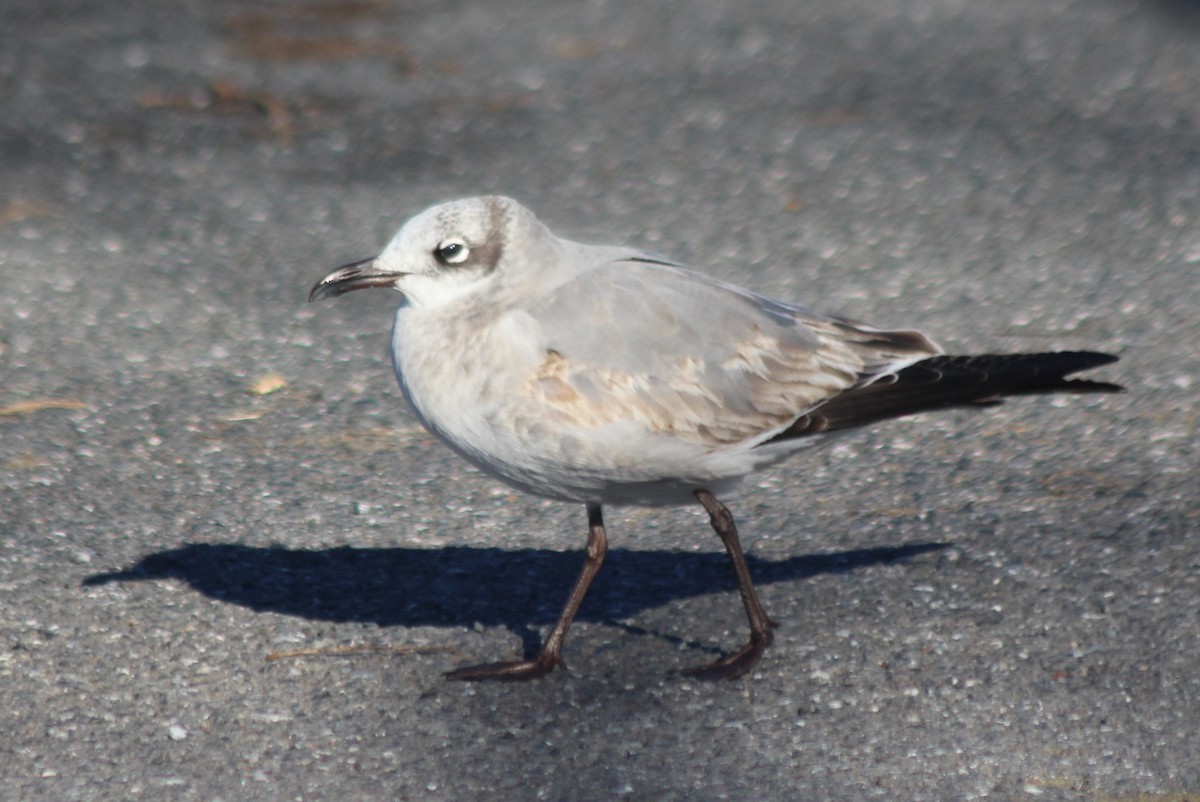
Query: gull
<point>602,375</point>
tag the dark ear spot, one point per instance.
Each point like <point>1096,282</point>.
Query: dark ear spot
<point>488,254</point>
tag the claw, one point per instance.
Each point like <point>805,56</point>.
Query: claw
<point>513,671</point>
<point>732,666</point>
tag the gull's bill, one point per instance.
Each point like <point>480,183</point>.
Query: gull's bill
<point>347,278</point>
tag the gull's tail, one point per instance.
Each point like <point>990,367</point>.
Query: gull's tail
<point>951,381</point>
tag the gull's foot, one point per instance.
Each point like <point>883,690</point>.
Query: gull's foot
<point>513,671</point>
<point>732,666</point>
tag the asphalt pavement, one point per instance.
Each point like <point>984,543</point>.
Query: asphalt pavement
<point>233,567</point>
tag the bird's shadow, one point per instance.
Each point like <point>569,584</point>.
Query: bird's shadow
<point>460,586</point>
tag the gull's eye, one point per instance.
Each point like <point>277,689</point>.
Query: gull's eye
<point>452,252</point>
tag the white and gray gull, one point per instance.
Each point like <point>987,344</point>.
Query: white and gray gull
<point>609,375</point>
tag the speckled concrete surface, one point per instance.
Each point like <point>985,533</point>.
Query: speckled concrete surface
<point>1003,605</point>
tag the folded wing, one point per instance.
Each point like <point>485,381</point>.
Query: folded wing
<point>705,361</point>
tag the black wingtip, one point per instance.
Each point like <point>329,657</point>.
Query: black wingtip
<point>1076,361</point>
<point>1088,386</point>
<point>950,381</point>
<point>1089,359</point>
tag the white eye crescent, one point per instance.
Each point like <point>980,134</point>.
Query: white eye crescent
<point>452,251</point>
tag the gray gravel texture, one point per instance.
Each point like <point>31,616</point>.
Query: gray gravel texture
<point>1001,604</point>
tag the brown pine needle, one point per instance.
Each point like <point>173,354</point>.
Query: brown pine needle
<point>360,648</point>
<point>38,404</point>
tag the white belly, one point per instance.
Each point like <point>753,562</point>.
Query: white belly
<point>473,386</point>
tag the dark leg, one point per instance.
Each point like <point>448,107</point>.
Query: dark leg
<point>735,665</point>
<point>551,653</point>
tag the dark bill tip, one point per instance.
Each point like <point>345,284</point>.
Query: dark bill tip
<point>355,276</point>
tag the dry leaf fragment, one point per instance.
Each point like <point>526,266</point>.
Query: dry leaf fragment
<point>245,414</point>
<point>268,383</point>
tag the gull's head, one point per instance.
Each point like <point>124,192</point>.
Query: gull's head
<point>448,251</point>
